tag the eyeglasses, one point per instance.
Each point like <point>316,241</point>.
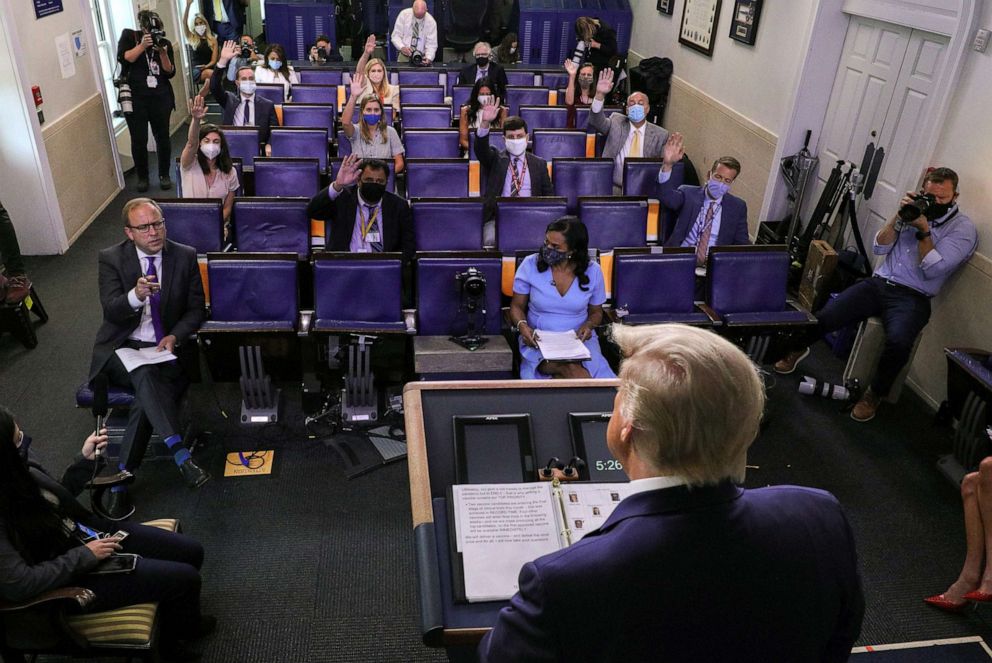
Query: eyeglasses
<point>145,228</point>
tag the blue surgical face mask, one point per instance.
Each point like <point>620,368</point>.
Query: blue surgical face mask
<point>635,113</point>
<point>553,256</point>
<point>371,119</point>
<point>275,64</point>
<point>716,188</point>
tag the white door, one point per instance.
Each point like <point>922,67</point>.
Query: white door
<point>880,95</point>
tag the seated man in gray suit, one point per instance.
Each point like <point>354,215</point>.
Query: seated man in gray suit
<point>629,135</point>
<point>245,109</point>
<point>708,215</point>
<point>512,173</point>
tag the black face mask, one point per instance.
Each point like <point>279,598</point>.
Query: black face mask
<point>937,210</point>
<point>371,191</point>
<point>482,61</point>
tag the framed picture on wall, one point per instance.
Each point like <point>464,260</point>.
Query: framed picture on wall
<point>698,27</point>
<point>666,7</point>
<point>744,25</point>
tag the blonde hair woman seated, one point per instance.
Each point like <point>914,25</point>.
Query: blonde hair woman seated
<point>377,77</point>
<point>204,43</point>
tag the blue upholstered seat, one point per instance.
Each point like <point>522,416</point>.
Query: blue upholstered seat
<point>286,177</point>
<point>299,142</point>
<point>656,287</point>
<point>243,143</point>
<point>428,77</point>
<point>614,221</point>
<point>252,293</point>
<point>544,117</point>
<point>358,292</point>
<point>640,177</point>
<point>321,76</point>
<point>552,143</point>
<point>421,94</point>
<point>516,77</point>
<point>437,178</point>
<point>426,116</point>
<point>525,96</point>
<point>272,224</point>
<point>314,94</point>
<point>459,97</point>
<point>274,92</point>
<point>576,177</point>
<point>447,224</point>
<point>438,293</point>
<point>431,143</point>
<point>309,115</point>
<point>116,396</point>
<point>554,80</point>
<point>196,222</point>
<point>521,222</point>
<point>746,286</point>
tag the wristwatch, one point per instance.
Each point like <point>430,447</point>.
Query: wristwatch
<point>922,235</point>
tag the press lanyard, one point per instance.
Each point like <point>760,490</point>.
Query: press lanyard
<point>366,226</point>
<point>518,179</point>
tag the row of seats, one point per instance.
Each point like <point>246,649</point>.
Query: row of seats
<point>515,77</point>
<point>745,287</point>
<point>280,224</point>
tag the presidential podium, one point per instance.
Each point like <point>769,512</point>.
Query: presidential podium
<point>486,432</point>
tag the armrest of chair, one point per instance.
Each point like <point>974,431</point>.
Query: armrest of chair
<point>81,596</point>
<point>410,320</point>
<point>710,313</point>
<point>304,323</point>
<point>810,318</point>
<point>110,480</point>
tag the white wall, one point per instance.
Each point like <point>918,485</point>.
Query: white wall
<point>753,80</point>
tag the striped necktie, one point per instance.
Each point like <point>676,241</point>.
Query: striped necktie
<point>703,241</point>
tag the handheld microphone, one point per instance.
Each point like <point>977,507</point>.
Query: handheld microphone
<point>100,387</point>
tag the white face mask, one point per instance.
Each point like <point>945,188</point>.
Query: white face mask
<point>247,87</point>
<point>201,29</point>
<point>516,146</point>
<point>485,99</point>
<point>376,77</point>
<point>210,150</point>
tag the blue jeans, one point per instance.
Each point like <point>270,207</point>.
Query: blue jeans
<point>904,312</point>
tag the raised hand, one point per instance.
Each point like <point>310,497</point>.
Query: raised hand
<point>674,149</point>
<point>490,111</point>
<point>197,108</point>
<point>605,82</point>
<point>370,45</point>
<point>348,172</point>
<point>571,68</point>
<point>357,84</point>
<point>228,52</point>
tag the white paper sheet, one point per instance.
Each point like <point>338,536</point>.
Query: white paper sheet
<point>134,358</point>
<point>561,346</point>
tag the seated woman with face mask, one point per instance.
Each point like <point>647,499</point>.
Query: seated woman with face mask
<point>470,116</point>
<point>377,78</point>
<point>276,69</point>
<point>205,166</point>
<point>559,289</point>
<point>370,136</point>
<point>580,90</point>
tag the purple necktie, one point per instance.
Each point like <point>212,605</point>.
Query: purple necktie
<point>155,300</point>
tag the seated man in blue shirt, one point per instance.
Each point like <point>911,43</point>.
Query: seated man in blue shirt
<point>920,255</point>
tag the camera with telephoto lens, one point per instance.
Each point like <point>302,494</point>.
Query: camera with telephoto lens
<point>417,58</point>
<point>921,203</point>
<point>247,50</point>
<point>152,23</point>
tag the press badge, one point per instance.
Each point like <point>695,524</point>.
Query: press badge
<point>372,238</point>
<point>151,81</point>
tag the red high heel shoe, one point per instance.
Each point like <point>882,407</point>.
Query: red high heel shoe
<point>979,596</point>
<point>941,603</point>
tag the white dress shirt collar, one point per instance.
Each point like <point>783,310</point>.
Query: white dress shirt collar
<point>655,483</point>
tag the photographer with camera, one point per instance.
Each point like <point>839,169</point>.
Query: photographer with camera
<point>146,60</point>
<point>923,244</point>
<point>246,56</point>
<point>415,35</point>
<point>322,51</point>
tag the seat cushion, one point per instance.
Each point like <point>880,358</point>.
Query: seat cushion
<point>766,318</point>
<point>116,396</point>
<point>247,325</point>
<point>695,317</point>
<point>326,325</point>
<point>131,625</point>
<point>974,365</point>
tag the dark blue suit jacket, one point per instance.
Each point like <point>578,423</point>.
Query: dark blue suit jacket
<point>686,201</point>
<point>263,112</point>
<point>709,574</point>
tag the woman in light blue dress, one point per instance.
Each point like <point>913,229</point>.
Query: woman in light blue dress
<point>556,290</point>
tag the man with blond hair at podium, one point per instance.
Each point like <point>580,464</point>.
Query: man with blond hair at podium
<point>690,566</point>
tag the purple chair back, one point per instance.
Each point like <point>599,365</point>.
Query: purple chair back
<point>439,293</point>
<point>344,145</point>
<point>314,94</point>
<point>421,94</point>
<point>521,222</point>
<point>554,80</point>
<point>586,177</point>
<point>309,115</point>
<point>422,77</point>
<point>274,92</point>
<point>525,96</point>
<point>243,142</point>
<point>746,279</point>
<point>427,116</point>
<point>437,178</point>
<point>286,177</point>
<point>519,78</point>
<point>358,292</point>
<point>640,177</point>
<point>459,97</point>
<point>552,143</point>
<point>496,139</point>
<point>447,224</point>
<point>272,225</point>
<point>544,117</point>
<point>299,142</point>
<point>321,76</point>
<point>253,291</point>
<point>196,222</point>
<point>431,143</point>
<point>615,221</point>
<point>656,287</point>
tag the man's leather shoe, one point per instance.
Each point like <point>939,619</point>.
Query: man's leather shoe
<point>194,475</point>
<point>788,363</point>
<point>18,288</point>
<point>941,602</point>
<point>142,185</point>
<point>119,506</point>
<point>865,409</point>
<point>164,183</point>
